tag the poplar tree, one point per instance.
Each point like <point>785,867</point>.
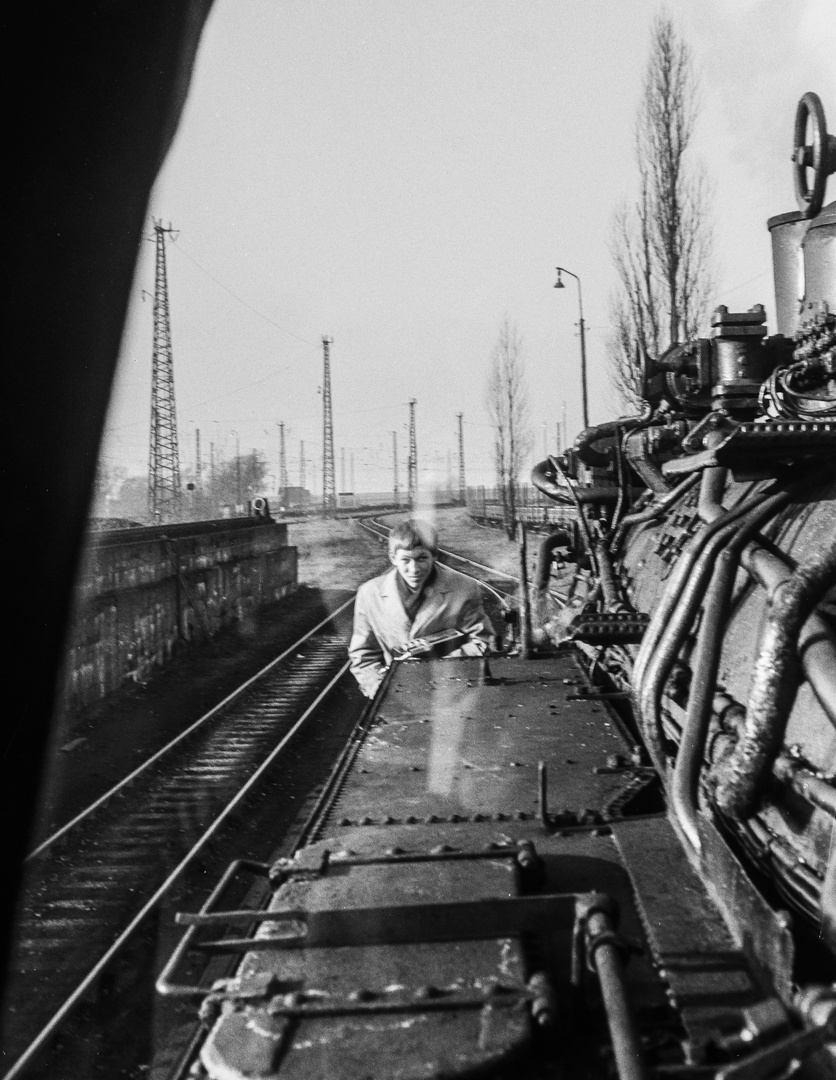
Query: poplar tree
<point>507,403</point>
<point>662,243</point>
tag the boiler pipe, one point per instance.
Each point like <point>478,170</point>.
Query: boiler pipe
<point>719,518</point>
<point>793,598</point>
<point>681,617</point>
<point>689,758</point>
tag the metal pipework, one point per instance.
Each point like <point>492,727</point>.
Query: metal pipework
<point>584,444</point>
<point>711,493</point>
<point>583,524</point>
<point>792,600</point>
<point>670,596</point>
<point>806,783</point>
<point>557,539</point>
<point>604,957</point>
<point>525,597</point>
<point>655,510</point>
<point>637,453</point>
<point>675,615</point>
<point>606,576</point>
<point>544,478</point>
<point>712,511</point>
<point>816,647</point>
<point>689,759</point>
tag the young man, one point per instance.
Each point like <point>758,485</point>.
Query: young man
<point>398,613</point>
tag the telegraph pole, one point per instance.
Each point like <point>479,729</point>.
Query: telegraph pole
<point>329,484</point>
<point>238,496</point>
<point>283,485</point>
<point>164,455</point>
<point>412,465</point>
<point>342,469</point>
<point>351,464</point>
<point>302,464</point>
<point>395,490</point>
<point>462,484</point>
<point>198,468</point>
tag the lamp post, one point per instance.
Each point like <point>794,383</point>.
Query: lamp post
<point>559,285</point>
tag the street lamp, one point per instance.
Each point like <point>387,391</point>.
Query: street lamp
<point>559,285</point>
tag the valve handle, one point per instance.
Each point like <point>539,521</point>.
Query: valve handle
<point>820,156</point>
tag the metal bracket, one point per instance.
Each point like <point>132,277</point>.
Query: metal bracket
<point>609,628</point>
<point>753,442</point>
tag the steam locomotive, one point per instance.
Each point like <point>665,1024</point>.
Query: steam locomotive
<point>616,856</point>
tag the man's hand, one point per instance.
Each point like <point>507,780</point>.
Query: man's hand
<point>417,647</point>
<point>423,645</point>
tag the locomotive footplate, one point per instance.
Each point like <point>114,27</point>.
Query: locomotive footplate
<point>426,958</point>
<point>480,897</point>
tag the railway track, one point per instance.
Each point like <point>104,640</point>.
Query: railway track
<point>94,883</point>
<point>90,886</point>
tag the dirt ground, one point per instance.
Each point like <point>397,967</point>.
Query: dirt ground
<point>335,554</point>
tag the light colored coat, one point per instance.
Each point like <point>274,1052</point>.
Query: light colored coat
<point>382,629</point>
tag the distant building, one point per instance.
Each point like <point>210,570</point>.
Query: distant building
<point>294,498</point>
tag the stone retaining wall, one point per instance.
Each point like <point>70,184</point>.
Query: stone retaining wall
<point>144,591</point>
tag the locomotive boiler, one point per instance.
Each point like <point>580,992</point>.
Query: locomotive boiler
<point>617,856</point>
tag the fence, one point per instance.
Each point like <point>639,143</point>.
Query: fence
<point>485,505</point>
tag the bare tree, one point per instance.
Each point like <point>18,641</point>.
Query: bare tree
<point>662,244</point>
<point>507,403</point>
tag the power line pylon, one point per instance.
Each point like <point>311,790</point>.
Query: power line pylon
<point>412,473</point>
<point>164,456</point>
<point>462,484</point>
<point>283,482</point>
<point>329,482</point>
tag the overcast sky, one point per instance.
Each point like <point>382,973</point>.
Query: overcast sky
<point>398,175</point>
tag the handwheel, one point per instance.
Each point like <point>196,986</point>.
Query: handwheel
<point>820,157</point>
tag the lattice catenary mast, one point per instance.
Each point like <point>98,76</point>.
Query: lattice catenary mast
<point>412,473</point>
<point>329,482</point>
<point>164,457</point>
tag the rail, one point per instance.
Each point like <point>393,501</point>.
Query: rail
<point>130,844</point>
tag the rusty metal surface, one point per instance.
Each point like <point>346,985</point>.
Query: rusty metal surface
<point>447,746</point>
<point>357,980</point>
<point>707,974</point>
<point>428,1033</point>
